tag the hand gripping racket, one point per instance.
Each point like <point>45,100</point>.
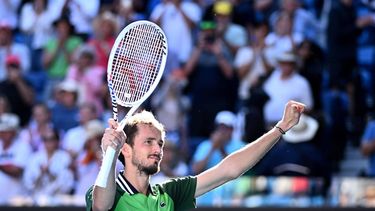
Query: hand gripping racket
<point>135,66</point>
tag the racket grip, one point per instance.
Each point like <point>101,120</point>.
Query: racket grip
<point>105,169</point>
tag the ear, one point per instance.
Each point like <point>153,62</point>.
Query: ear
<point>126,150</point>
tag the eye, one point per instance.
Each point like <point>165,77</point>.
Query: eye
<point>148,142</point>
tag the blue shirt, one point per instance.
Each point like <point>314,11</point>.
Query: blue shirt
<point>369,136</point>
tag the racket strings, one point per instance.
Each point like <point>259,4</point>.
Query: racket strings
<point>137,62</point>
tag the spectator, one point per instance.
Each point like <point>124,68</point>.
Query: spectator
<point>4,104</point>
<point>47,173</point>
<point>9,47</point>
<point>87,165</point>
<point>89,75</point>
<point>39,124</point>
<point>17,89</point>
<point>210,152</point>
<point>283,38</point>
<point>368,145</point>
<point>36,24</point>
<point>285,84</point>
<point>8,12</point>
<point>75,138</point>
<point>65,110</point>
<point>233,35</point>
<point>178,19</point>
<point>212,81</point>
<point>303,21</point>
<point>105,28</point>
<point>58,53</point>
<point>14,154</point>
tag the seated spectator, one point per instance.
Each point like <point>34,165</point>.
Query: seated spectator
<point>89,75</point>
<point>284,84</point>
<point>9,47</point>
<point>86,166</point>
<point>40,122</point>
<point>65,110</point>
<point>17,89</point>
<point>14,154</point>
<point>210,152</point>
<point>48,173</point>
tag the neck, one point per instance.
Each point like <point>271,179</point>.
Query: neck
<point>138,179</point>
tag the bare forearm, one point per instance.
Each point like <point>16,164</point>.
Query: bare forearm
<point>368,148</point>
<point>225,66</point>
<point>26,92</point>
<point>190,65</point>
<point>242,160</point>
<point>103,198</point>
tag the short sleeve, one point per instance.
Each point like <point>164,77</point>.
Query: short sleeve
<point>182,192</point>
<point>369,132</point>
<point>244,56</point>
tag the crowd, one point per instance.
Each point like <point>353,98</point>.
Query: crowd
<point>232,66</point>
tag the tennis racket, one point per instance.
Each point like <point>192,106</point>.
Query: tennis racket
<point>135,66</point>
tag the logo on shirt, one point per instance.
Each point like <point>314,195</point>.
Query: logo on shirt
<point>162,204</point>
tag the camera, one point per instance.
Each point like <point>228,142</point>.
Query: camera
<point>210,38</point>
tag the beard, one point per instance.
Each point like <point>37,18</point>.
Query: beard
<point>148,170</point>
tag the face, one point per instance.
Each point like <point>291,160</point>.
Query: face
<point>286,67</point>
<point>147,151</point>
<point>41,114</point>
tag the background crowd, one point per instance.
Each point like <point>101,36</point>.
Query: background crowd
<point>232,65</point>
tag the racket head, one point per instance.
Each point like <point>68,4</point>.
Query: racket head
<point>136,62</point>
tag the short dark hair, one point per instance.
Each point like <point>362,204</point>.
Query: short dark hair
<point>131,127</point>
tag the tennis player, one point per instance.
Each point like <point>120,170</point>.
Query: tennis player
<point>141,151</point>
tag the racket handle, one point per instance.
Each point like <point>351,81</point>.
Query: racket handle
<point>105,169</point>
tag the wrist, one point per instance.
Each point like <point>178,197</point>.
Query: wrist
<point>281,127</point>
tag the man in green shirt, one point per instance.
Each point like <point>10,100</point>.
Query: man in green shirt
<point>141,151</point>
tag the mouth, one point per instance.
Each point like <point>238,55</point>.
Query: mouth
<point>155,157</point>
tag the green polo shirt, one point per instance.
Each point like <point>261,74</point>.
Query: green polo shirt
<point>175,194</point>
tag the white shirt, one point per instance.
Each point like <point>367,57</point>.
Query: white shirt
<point>177,31</point>
<point>58,165</point>
<point>244,56</point>
<point>75,139</point>
<point>8,12</point>
<point>296,87</point>
<point>279,44</point>
<point>17,154</point>
<point>40,26</point>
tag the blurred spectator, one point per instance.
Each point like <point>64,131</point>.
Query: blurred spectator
<point>8,12</point>
<point>89,75</point>
<point>65,110</point>
<point>36,24</point>
<point>344,28</point>
<point>311,66</point>
<point>212,81</point>
<point>105,28</point>
<point>131,10</point>
<point>210,152</point>
<point>58,53</point>
<point>178,19</point>
<point>283,38</point>
<point>233,35</point>
<point>75,138</point>
<point>47,173</point>
<point>87,165</point>
<point>80,13</point>
<point>284,84</point>
<point>171,107</point>
<point>368,145</point>
<point>38,125</point>
<point>4,104</point>
<point>252,61</point>
<point>17,89</point>
<point>9,47</point>
<point>14,154</point>
<point>296,154</point>
<point>303,21</point>
<point>172,165</point>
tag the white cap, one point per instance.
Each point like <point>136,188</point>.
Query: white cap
<point>226,117</point>
<point>69,86</point>
<point>9,122</point>
<point>94,128</point>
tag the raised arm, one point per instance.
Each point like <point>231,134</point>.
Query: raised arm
<point>103,198</point>
<point>242,160</point>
